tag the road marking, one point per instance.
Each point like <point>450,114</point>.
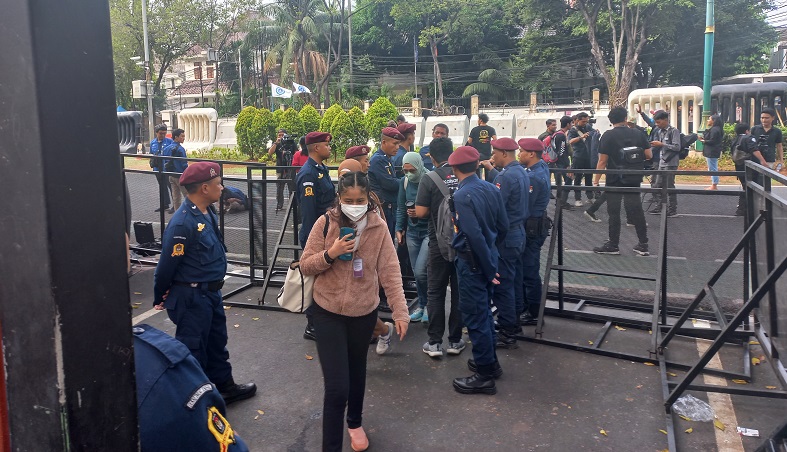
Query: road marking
<point>144,316</point>
<point>722,261</point>
<point>728,440</point>
<point>703,215</point>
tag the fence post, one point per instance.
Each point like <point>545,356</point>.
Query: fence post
<point>366,104</point>
<point>533,101</point>
<point>596,98</point>
<point>416,107</point>
<point>474,103</point>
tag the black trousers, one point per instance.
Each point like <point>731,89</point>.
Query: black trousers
<point>567,181</point>
<point>582,162</point>
<point>439,272</point>
<point>342,345</point>
<point>163,189</point>
<point>285,178</point>
<point>634,213</point>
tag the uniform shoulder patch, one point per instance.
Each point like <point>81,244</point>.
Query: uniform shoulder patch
<point>196,395</point>
<point>220,429</point>
<point>178,249</point>
<point>308,191</point>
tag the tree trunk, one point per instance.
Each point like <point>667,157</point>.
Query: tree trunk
<point>437,74</point>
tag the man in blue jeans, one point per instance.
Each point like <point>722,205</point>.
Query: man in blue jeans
<point>480,225</point>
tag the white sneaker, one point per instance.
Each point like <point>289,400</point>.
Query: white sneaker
<point>577,203</point>
<point>384,341</point>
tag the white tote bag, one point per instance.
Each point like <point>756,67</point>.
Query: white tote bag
<point>296,294</point>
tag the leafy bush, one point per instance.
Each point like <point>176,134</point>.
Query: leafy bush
<point>242,126</point>
<point>310,117</point>
<point>329,116</point>
<point>277,115</point>
<point>343,135</point>
<point>380,112</point>
<point>291,122</point>
<point>217,153</point>
<point>403,100</point>
<point>263,128</point>
<point>358,121</point>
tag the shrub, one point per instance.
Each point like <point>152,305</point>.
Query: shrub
<point>310,117</point>
<point>329,116</point>
<point>343,135</point>
<point>380,112</point>
<point>262,129</point>
<point>217,153</point>
<point>358,121</point>
<point>277,115</point>
<point>291,122</point>
<point>242,126</point>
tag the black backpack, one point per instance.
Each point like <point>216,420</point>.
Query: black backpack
<point>632,158</point>
<point>444,226</point>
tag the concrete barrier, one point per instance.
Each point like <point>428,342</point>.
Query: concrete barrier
<point>750,98</point>
<point>129,130</point>
<point>458,128</point>
<point>683,103</point>
<point>225,133</point>
<point>199,124</point>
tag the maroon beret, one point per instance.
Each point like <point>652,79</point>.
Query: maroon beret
<point>463,154</point>
<point>531,144</point>
<point>317,137</point>
<point>391,132</point>
<point>405,128</point>
<point>200,172</point>
<point>505,144</point>
<point>356,151</point>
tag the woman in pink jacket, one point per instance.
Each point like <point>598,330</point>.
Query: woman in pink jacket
<point>345,302</point>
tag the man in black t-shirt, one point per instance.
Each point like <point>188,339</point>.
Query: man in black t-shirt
<point>610,155</point>
<point>579,138</point>
<point>481,137</point>
<point>427,204</point>
<point>562,148</point>
<point>748,144</point>
<point>551,129</point>
<point>773,136</point>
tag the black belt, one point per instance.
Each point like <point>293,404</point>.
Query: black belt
<point>213,286</point>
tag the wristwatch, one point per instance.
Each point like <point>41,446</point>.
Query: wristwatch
<point>328,258</point>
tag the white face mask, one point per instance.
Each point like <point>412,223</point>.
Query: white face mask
<point>354,211</point>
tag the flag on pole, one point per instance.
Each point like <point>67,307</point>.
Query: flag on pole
<point>278,91</point>
<point>300,89</point>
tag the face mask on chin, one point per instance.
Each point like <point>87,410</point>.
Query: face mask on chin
<point>354,211</point>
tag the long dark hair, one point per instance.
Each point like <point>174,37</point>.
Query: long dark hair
<point>355,179</point>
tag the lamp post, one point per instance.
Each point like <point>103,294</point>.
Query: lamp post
<point>148,77</point>
<point>710,28</point>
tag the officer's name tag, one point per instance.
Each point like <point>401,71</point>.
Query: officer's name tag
<point>358,267</point>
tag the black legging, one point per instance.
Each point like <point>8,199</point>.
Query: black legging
<point>342,345</point>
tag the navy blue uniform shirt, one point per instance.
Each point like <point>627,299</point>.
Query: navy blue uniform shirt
<point>424,151</point>
<point>178,407</point>
<point>236,193</point>
<point>316,195</point>
<point>192,250</point>
<point>382,178</point>
<point>514,184</point>
<point>157,148</point>
<point>480,222</point>
<point>175,150</point>
<point>540,187</point>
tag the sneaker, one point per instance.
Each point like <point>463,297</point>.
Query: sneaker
<point>455,348</point>
<point>384,340</point>
<point>607,248</point>
<point>578,203</point>
<point>592,216</point>
<point>642,249</point>
<point>417,315</point>
<point>672,212</point>
<point>655,211</point>
<point>630,224</point>
<point>425,317</point>
<point>433,350</point>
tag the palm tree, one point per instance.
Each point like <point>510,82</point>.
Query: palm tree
<point>492,83</point>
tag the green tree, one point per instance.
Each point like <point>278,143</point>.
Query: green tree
<point>310,118</point>
<point>329,116</point>
<point>358,122</point>
<point>277,116</point>
<point>343,135</point>
<point>380,112</point>
<point>242,129</point>
<point>291,122</point>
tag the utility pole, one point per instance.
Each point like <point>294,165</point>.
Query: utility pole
<point>240,78</point>
<point>710,28</point>
<point>350,42</point>
<point>148,76</point>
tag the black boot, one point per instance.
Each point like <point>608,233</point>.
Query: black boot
<point>506,340</point>
<point>309,333</point>
<point>497,371</point>
<point>528,319</point>
<point>232,392</point>
<point>477,383</point>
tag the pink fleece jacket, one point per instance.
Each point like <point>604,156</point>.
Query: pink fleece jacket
<point>336,289</point>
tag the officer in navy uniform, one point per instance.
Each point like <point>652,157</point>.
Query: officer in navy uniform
<point>316,194</point>
<point>408,132</point>
<point>514,185</point>
<point>382,177</point>
<point>177,406</point>
<point>157,146</point>
<point>537,226</point>
<point>480,224</point>
<point>189,277</point>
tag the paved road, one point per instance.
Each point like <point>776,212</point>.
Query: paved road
<point>699,238</point>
